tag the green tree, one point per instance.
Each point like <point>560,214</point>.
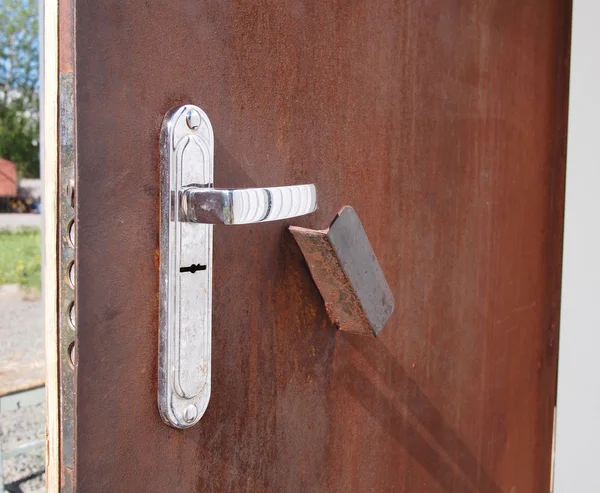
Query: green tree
<point>19,85</point>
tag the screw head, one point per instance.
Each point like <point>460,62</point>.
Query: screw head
<point>193,119</point>
<point>190,413</point>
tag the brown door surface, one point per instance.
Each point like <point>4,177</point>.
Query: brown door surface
<point>443,124</point>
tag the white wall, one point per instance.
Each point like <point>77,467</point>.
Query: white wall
<point>577,455</point>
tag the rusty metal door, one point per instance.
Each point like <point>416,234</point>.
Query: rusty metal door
<point>442,123</point>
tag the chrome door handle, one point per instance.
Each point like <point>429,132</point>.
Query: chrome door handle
<point>189,207</point>
<point>246,206</point>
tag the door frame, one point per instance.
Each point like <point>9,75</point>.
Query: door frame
<point>577,430</point>
<point>49,174</point>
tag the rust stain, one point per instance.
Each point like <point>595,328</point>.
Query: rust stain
<point>157,259</point>
<point>66,31</point>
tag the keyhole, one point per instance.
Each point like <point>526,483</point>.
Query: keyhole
<point>192,268</point>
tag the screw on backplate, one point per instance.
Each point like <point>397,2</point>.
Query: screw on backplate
<point>190,413</point>
<point>192,119</point>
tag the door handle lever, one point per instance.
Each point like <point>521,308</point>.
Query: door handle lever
<point>246,206</point>
<point>189,207</point>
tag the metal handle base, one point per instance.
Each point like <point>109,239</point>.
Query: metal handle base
<point>246,206</point>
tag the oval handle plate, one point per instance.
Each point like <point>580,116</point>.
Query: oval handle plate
<point>189,206</point>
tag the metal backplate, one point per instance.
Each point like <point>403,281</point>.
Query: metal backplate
<point>187,148</point>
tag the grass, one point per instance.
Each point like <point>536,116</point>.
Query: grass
<point>20,257</point>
